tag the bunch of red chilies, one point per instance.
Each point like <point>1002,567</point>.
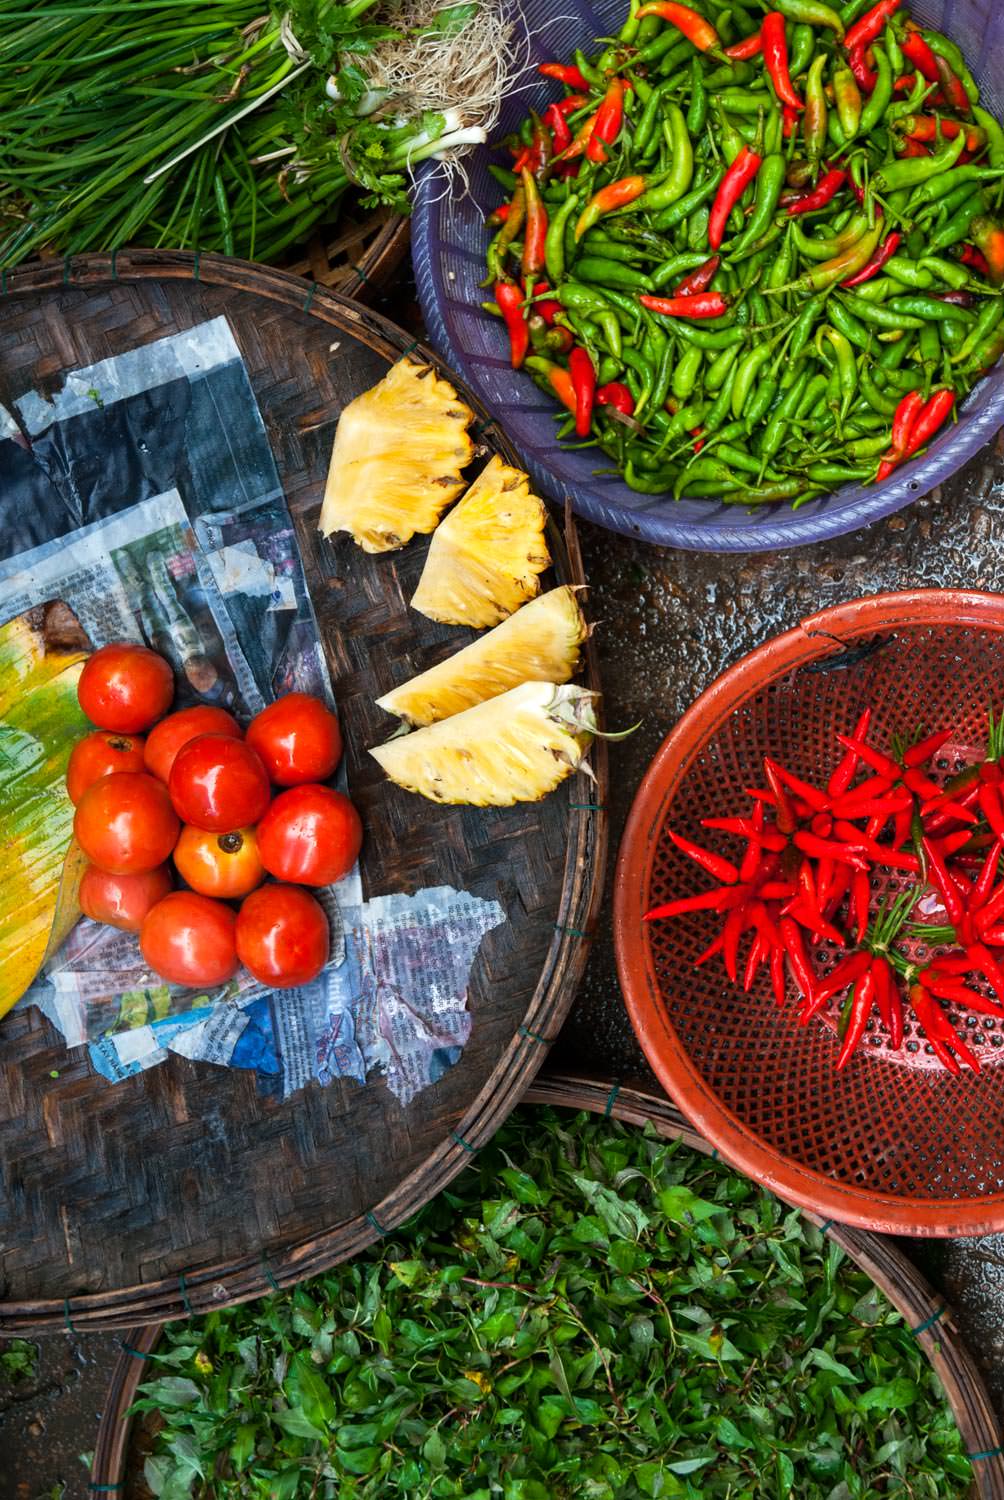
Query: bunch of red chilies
<point>811,871</point>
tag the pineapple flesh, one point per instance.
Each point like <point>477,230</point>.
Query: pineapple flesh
<point>397,459</point>
<point>486,558</point>
<point>540,643</point>
<point>514,748</point>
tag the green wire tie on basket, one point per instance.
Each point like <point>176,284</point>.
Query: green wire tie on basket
<point>267,1272</point>
<point>935,1317</point>
<point>128,1349</point>
<point>184,1294</point>
<point>66,1316</point>
<point>195,265</point>
<point>471,1150</point>
<point>371,1218</point>
<point>105,1489</point>
<point>611,1101</point>
<point>534,1036</point>
<point>985,1453</point>
<point>308,299</point>
<point>67,269</point>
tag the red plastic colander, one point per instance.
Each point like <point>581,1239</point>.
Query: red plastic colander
<point>892,1143</point>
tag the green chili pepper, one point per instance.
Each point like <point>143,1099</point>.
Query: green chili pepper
<point>697,228</point>
<point>878,314</point>
<point>659,483</point>
<point>803,45</point>
<point>940,187</point>
<point>804,324</point>
<point>750,365</point>
<point>581,299</point>
<point>783,262</point>
<point>710,469</point>
<point>842,266</point>
<point>663,373</point>
<point>846,323</point>
<point>697,114</point>
<point>676,182</point>
<point>731,141</point>
<point>814,393</point>
<point>674,268</point>
<point>909,272</point>
<point>948,271</point>
<point>670,217</point>
<point>609,368</point>
<point>554,240</point>
<point>709,338</point>
<point>830,474</point>
<point>991,314</point>
<point>847,365</point>
<point>719,377</point>
<point>914,170</point>
<point>644,142</point>
<point>958,226</point>
<point>787,406</point>
<point>897,61</point>
<point>687,369</point>
<point>612,273</point>
<point>928,308</point>
<point>769,494</point>
<point>881,96</point>
<point>825,249</point>
<point>985,355</point>
<point>499,247</point>
<point>814,120</point>
<point>769,182</point>
<point>811,13</point>
<point>884,405</point>
<point>994,133</point>
<point>504,177</point>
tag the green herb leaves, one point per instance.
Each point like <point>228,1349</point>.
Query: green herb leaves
<point>588,1311</point>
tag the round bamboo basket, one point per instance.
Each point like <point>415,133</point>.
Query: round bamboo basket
<point>357,256</point>
<point>926,1313</point>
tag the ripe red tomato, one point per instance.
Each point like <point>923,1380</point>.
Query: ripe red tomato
<point>188,939</point>
<point>219,784</point>
<point>100,754</point>
<point>298,738</point>
<point>125,687</point>
<point>166,739</point>
<point>219,864</point>
<point>125,823</point>
<point>310,835</point>
<point>282,936</point>
<point>122,900</point>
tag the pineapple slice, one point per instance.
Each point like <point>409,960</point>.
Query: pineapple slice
<point>484,560</point>
<point>514,748</point>
<point>539,643</point>
<point>397,460</point>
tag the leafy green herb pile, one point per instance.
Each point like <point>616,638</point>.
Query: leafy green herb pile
<point>588,1311</point>
<point>224,101</point>
<point>18,1360</point>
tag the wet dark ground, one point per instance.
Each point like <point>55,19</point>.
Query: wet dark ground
<point>667,624</point>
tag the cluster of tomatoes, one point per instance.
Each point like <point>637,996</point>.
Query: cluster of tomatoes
<point>197,791</point>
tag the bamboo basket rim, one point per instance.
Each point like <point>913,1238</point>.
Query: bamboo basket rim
<point>225,1283</point>
<point>925,1312</point>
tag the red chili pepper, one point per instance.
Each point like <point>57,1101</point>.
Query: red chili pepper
<point>921,753</point>
<point>952,88</point>
<point>704,305</point>
<point>929,127</point>
<point>984,963</point>
<point>988,236</point>
<point>985,879</point>
<point>942,1037</point>
<point>821,825</point>
<point>930,419</point>
<point>561,131</point>
<point>750,46</point>
<point>904,421</point>
<point>871,25</point>
<point>607,122</point>
<point>510,301</point>
<point>535,228</point>
<point>859,843</point>
<point>777,978</point>
<point>861,896</point>
<point>786,821</point>
<point>889,1002</point>
<point>735,926</point>
<point>801,968</point>
<point>825,190</point>
<point>565,73</point>
<point>722,898</point>
<point>753,858</point>
<point>710,951</point>
<point>737,179</point>
<point>961,995</point>
<point>975,259</point>
<point>846,972</point>
<point>883,764</point>
<point>757,955</point>
<point>919,53</point>
<point>616,394</point>
<point>775,57</point>
<point>842,777</point>
<point>885,252</point>
<point>861,1009</point>
<point>698,280</point>
<point>819,848</point>
<point>499,215</point>
<point>694,27</point>
<point>944,881</point>
<point>723,870</point>
<point>911,148</point>
<point>615,195</point>
<point>583,374</point>
<point>865,75</point>
<point>810,794</point>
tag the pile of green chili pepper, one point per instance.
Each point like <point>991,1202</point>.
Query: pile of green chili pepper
<point>755,257</point>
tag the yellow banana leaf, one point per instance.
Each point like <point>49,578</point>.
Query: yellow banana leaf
<point>41,657</point>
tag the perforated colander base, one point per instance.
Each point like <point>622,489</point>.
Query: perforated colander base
<point>891,1123</point>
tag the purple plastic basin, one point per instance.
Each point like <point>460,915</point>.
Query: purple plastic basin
<point>449,240</point>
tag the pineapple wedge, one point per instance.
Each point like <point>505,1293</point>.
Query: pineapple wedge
<point>397,459</point>
<point>485,559</point>
<point>540,643</point>
<point>514,748</point>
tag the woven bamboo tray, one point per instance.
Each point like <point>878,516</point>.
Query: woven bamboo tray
<point>115,1465</point>
<point>183,1189</point>
<point>357,256</point>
